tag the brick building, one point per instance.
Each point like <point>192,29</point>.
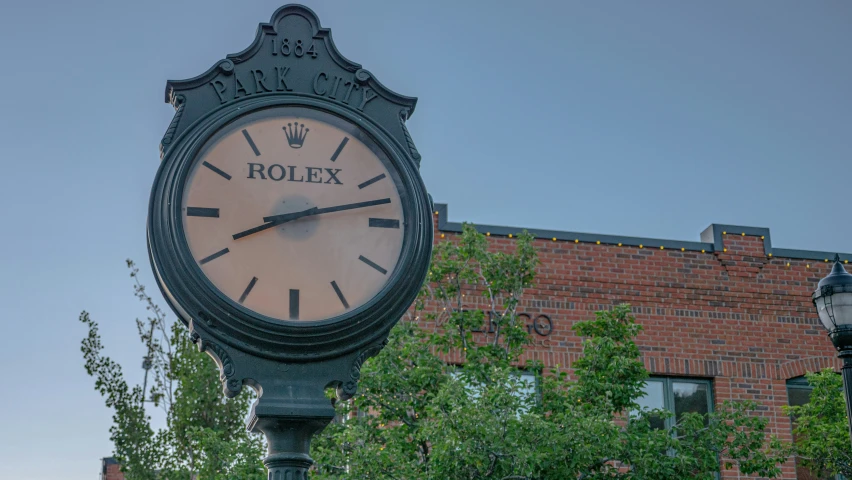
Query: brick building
<point>110,469</point>
<point>728,317</point>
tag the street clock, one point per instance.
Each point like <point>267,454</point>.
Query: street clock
<point>289,227</point>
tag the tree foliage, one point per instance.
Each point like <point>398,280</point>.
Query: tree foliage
<point>205,435</point>
<point>822,428</point>
<point>444,399</point>
<point>447,400</point>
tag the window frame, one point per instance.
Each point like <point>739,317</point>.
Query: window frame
<point>455,368</point>
<point>669,397</point>
<point>798,383</point>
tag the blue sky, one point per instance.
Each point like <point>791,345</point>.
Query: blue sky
<point>633,118</point>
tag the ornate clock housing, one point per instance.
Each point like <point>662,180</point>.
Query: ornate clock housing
<point>288,218</point>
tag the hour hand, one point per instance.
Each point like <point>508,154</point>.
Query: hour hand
<point>338,208</point>
<point>276,220</point>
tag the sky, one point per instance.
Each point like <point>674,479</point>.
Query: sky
<point>652,119</point>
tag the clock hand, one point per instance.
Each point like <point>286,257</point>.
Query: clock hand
<point>338,208</point>
<point>277,220</point>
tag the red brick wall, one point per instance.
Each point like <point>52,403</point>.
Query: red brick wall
<point>110,470</point>
<point>736,315</point>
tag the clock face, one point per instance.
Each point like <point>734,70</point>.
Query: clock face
<point>294,213</point>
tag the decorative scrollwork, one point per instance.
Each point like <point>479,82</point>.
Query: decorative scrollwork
<point>179,102</point>
<point>231,385</point>
<point>226,66</point>
<point>348,389</point>
<point>363,76</point>
<point>403,117</point>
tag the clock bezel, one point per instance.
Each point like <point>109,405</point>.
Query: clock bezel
<point>196,298</point>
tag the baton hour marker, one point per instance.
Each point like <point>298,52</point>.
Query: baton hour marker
<point>339,149</point>
<point>373,264</point>
<point>248,289</point>
<point>294,304</point>
<point>384,223</point>
<point>371,181</point>
<point>251,143</point>
<point>339,294</point>
<point>202,212</point>
<point>214,256</point>
<point>217,170</point>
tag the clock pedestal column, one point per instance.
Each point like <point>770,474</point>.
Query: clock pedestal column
<point>289,411</point>
<point>289,440</point>
<point>291,407</point>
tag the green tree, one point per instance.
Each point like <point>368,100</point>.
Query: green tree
<point>205,435</point>
<point>822,428</point>
<point>447,401</point>
<point>590,416</point>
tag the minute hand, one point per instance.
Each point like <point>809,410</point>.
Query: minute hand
<point>338,208</point>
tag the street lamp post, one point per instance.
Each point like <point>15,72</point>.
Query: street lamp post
<point>833,301</point>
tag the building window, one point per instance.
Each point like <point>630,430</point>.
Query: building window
<point>677,395</point>
<point>527,383</point>
<point>799,393</point>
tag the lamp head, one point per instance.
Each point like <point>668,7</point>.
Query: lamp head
<point>833,301</point>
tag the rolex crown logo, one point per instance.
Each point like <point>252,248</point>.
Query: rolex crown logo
<point>296,134</point>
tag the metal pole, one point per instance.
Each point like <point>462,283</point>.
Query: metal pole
<point>846,371</point>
